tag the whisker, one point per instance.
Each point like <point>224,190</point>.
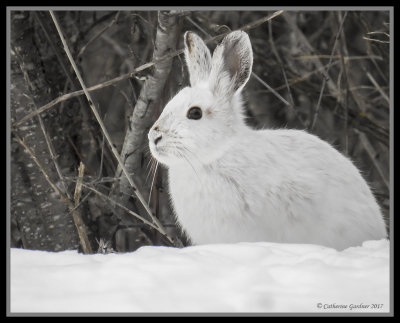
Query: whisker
<point>149,162</point>
<point>180,151</point>
<point>148,154</point>
<point>152,182</point>
<point>152,162</point>
<point>192,154</point>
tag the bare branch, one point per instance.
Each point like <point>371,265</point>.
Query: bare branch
<point>290,20</point>
<point>101,124</point>
<point>377,40</point>
<point>375,83</point>
<point>131,74</point>
<point>79,224</point>
<point>262,20</point>
<point>78,186</point>
<point>275,51</point>
<point>372,154</point>
<point>325,79</point>
<point>97,35</point>
<point>148,101</point>
<point>112,201</point>
<point>63,197</point>
<point>259,79</point>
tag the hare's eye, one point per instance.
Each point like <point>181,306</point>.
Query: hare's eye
<point>194,113</point>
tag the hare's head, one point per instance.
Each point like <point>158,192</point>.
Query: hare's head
<point>199,123</point>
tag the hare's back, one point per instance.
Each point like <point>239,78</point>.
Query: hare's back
<point>304,163</point>
<point>298,149</point>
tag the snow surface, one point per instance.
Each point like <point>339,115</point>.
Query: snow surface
<point>243,277</point>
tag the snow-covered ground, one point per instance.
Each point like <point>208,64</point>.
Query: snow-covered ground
<point>244,277</point>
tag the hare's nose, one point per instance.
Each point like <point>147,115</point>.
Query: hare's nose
<point>156,134</point>
<point>157,139</point>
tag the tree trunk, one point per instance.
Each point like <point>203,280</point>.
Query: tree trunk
<point>42,219</point>
<point>149,101</point>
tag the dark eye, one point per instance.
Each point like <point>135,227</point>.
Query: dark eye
<point>194,113</point>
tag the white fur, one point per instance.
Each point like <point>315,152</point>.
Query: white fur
<point>229,183</point>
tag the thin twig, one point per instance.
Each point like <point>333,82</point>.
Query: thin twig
<point>80,202</point>
<point>262,20</point>
<point>259,79</point>
<point>370,50</point>
<point>375,83</point>
<point>278,58</point>
<point>96,22</point>
<point>89,187</point>
<point>378,33</point>
<point>275,51</point>
<point>327,70</point>
<point>78,186</point>
<point>104,29</point>
<point>79,224</point>
<point>305,76</point>
<point>63,197</point>
<point>101,158</point>
<point>343,51</point>
<point>152,182</point>
<point>290,20</point>
<point>377,40</point>
<point>323,67</point>
<point>53,154</point>
<point>103,128</point>
<point>346,58</point>
<point>372,154</point>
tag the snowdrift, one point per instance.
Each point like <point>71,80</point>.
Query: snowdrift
<point>244,277</point>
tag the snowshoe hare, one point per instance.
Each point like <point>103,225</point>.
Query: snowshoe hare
<point>229,183</point>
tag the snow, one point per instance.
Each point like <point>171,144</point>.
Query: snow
<point>244,277</point>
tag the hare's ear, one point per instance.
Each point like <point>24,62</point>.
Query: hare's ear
<point>232,62</point>
<point>198,58</point>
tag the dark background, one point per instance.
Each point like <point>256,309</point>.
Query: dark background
<point>324,71</point>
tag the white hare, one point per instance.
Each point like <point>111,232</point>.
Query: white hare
<point>229,183</point>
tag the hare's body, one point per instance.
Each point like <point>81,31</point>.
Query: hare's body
<point>229,183</point>
<point>248,195</point>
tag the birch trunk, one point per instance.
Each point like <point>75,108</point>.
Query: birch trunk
<point>149,101</point>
